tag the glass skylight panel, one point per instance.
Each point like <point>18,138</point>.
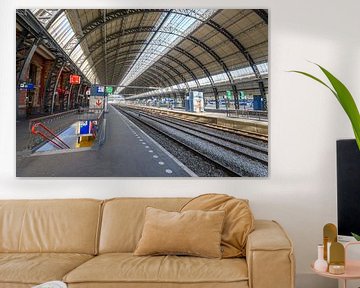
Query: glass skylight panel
<point>35,12</point>
<point>60,29</point>
<point>263,68</point>
<point>78,52</point>
<point>191,84</point>
<point>218,78</point>
<point>62,32</point>
<point>44,15</point>
<point>172,31</point>
<point>242,72</point>
<point>204,81</point>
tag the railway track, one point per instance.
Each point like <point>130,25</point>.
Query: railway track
<point>236,149</point>
<point>180,122</point>
<point>239,147</point>
<point>249,134</point>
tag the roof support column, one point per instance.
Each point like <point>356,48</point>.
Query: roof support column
<point>51,85</point>
<point>24,54</point>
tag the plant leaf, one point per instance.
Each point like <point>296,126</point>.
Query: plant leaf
<point>347,102</point>
<point>357,237</point>
<point>357,137</point>
<point>316,79</point>
<point>344,97</point>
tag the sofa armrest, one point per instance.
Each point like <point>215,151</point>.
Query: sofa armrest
<point>269,256</point>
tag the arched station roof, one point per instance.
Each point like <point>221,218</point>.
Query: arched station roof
<point>170,49</point>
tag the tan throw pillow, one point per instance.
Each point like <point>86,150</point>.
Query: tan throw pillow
<point>196,233</point>
<point>239,221</point>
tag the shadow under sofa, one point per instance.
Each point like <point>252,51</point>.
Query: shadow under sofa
<point>90,243</point>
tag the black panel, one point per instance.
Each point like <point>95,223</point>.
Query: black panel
<point>348,187</point>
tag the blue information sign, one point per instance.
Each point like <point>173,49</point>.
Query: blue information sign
<point>27,86</point>
<point>84,127</point>
<point>100,89</point>
<point>97,90</point>
<point>30,86</point>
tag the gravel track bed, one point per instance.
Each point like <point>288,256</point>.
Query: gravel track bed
<point>219,141</point>
<point>194,162</point>
<point>232,136</point>
<point>227,134</point>
<point>241,164</point>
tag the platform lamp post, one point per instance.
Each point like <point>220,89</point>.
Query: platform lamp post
<point>104,98</point>
<point>107,91</point>
<point>226,105</point>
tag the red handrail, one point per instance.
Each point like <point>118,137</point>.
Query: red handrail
<point>47,138</point>
<point>35,132</point>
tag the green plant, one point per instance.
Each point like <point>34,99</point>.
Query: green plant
<point>357,237</point>
<point>344,97</point>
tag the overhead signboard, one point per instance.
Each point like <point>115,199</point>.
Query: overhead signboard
<point>96,102</point>
<point>22,86</point>
<point>75,79</point>
<point>109,89</point>
<point>27,86</point>
<point>30,86</point>
<point>100,89</point>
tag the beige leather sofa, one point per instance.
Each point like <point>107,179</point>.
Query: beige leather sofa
<point>89,243</point>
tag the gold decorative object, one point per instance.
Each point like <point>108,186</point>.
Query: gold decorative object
<point>337,258</point>
<point>336,269</point>
<point>330,236</point>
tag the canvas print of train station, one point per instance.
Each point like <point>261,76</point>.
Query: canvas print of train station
<point>142,92</point>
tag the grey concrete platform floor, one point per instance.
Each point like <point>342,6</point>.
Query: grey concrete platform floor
<point>22,135</point>
<point>127,152</point>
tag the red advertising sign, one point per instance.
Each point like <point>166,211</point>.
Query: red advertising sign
<point>74,79</point>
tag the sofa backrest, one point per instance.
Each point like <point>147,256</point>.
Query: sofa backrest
<point>64,226</point>
<point>123,220</point>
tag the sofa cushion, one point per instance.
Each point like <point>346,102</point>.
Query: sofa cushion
<point>193,232</point>
<point>63,226</point>
<point>126,268</point>
<point>36,268</point>
<point>123,220</point>
<point>239,220</point>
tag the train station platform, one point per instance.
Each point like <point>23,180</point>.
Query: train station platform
<point>126,152</point>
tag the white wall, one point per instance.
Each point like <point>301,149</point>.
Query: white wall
<point>305,121</point>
